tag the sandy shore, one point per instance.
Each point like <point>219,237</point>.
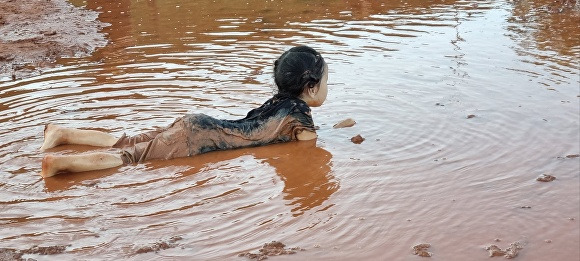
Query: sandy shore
<point>35,33</point>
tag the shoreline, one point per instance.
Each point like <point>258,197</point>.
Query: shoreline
<point>34,34</point>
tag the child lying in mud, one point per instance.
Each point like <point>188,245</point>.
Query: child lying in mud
<point>300,75</point>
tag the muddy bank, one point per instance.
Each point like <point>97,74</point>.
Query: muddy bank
<point>17,255</point>
<point>34,33</point>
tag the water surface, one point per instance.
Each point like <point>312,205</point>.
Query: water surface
<point>462,105</point>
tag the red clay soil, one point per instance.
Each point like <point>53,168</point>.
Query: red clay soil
<point>34,33</point>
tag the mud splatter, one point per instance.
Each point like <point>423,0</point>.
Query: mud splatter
<point>10,254</point>
<point>273,248</point>
<point>158,246</point>
<point>358,139</point>
<point>49,250</point>
<point>345,124</point>
<point>495,251</point>
<point>545,178</point>
<point>16,255</point>
<point>421,250</point>
<point>510,252</point>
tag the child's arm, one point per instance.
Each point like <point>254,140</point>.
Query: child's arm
<point>306,135</point>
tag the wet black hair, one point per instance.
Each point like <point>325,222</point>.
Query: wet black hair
<point>298,68</point>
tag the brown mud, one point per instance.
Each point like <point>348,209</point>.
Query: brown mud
<point>158,246</point>
<point>510,252</point>
<point>273,248</point>
<point>545,178</point>
<point>358,139</point>
<point>421,250</point>
<point>35,33</point>
<point>16,255</point>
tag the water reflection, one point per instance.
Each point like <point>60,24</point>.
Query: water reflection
<point>547,25</point>
<point>186,26</point>
<point>548,32</point>
<point>306,172</point>
<point>305,169</point>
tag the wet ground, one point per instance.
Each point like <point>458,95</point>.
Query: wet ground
<point>463,106</point>
<point>35,33</point>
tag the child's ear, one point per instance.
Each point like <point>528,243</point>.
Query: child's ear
<point>313,91</point>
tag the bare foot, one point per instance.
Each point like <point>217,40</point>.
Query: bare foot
<point>48,167</point>
<point>52,136</point>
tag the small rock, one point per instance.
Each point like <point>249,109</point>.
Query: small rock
<point>273,248</point>
<point>345,124</point>
<point>358,139</point>
<point>49,33</point>
<point>510,252</point>
<point>470,116</point>
<point>513,250</point>
<point>545,178</point>
<point>421,250</point>
<point>495,251</point>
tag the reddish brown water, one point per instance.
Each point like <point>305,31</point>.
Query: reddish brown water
<point>410,73</point>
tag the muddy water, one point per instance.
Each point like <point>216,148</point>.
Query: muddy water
<point>462,104</point>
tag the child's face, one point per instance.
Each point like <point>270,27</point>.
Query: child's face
<point>320,95</point>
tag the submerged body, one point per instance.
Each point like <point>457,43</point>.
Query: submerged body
<point>301,77</point>
<point>280,119</point>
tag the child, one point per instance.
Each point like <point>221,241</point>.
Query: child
<point>300,75</point>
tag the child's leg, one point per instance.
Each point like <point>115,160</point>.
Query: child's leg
<point>52,165</point>
<point>55,135</point>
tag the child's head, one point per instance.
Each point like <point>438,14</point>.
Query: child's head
<point>299,70</point>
